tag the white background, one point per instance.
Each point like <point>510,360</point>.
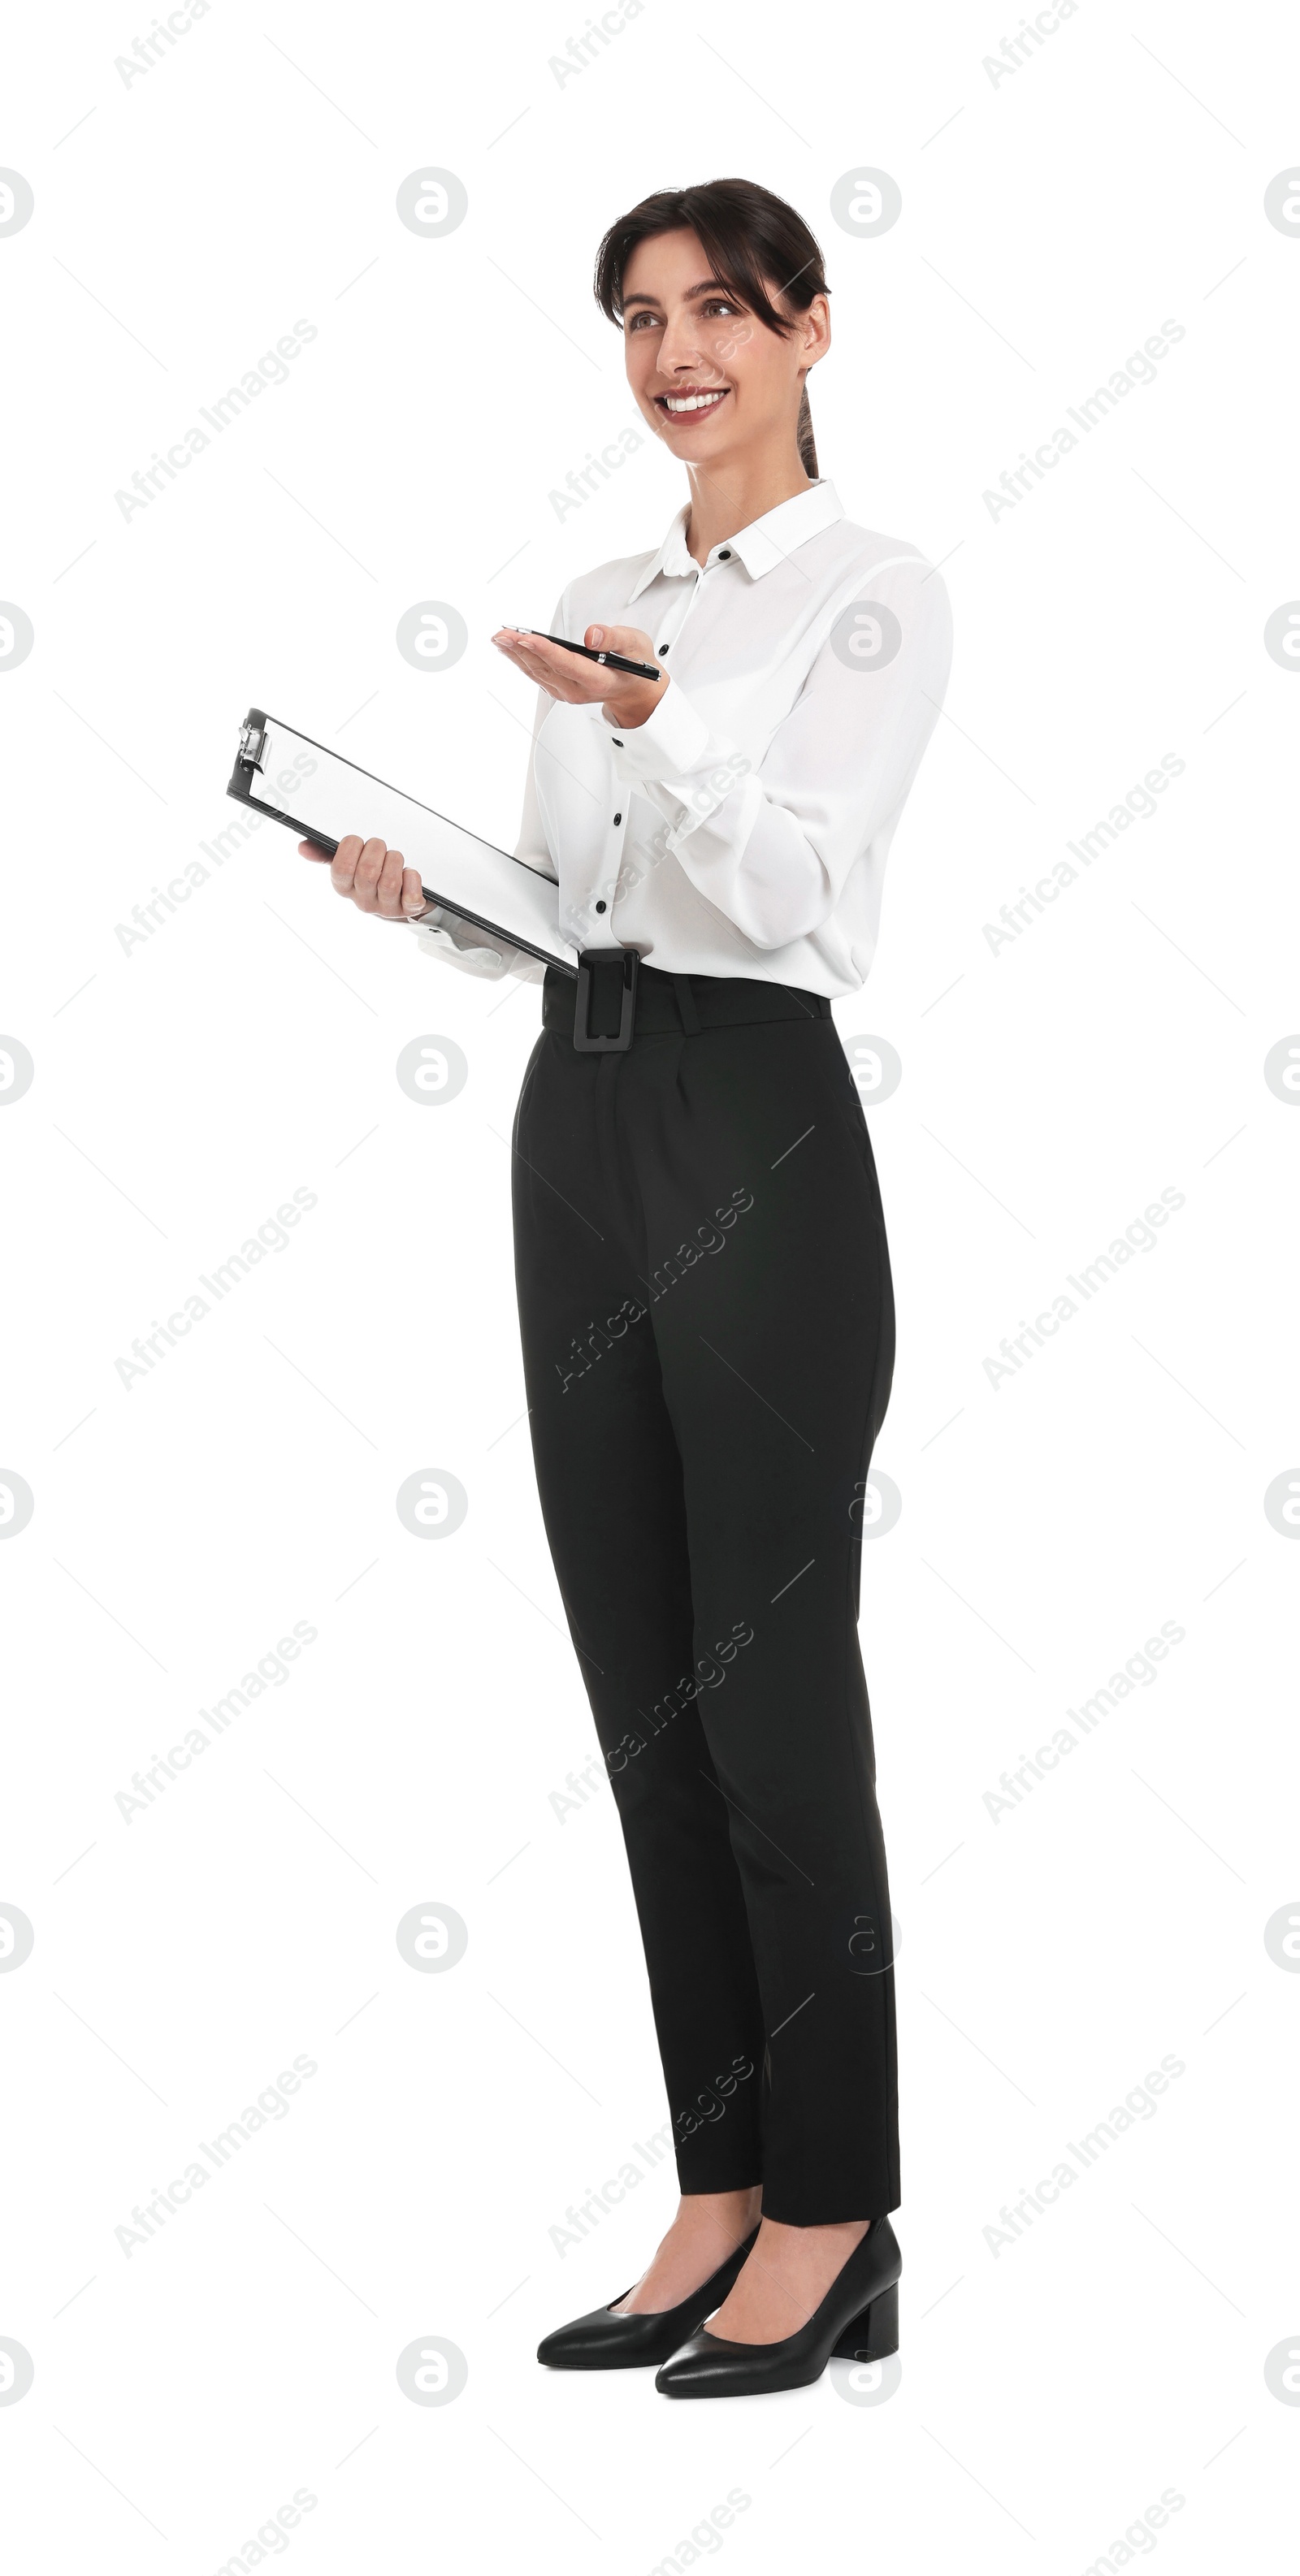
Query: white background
<point>1050,2390</point>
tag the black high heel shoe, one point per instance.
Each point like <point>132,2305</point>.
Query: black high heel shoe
<point>605,2341</point>
<point>858,2318</point>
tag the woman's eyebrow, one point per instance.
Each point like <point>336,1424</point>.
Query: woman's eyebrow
<point>709,286</point>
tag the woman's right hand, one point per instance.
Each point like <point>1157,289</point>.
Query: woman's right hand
<point>373,877</point>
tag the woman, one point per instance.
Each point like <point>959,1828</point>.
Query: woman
<point>704,1285</point>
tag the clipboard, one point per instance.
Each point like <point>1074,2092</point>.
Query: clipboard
<point>276,767</point>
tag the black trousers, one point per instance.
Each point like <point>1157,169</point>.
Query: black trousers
<point>707,1319</point>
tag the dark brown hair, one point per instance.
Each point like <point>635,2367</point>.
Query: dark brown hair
<point>748,236</point>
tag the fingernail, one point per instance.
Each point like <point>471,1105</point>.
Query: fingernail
<point>598,635</point>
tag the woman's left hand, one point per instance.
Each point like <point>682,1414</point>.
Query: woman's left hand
<point>627,701</point>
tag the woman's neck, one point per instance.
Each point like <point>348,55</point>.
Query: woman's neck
<point>724,501</point>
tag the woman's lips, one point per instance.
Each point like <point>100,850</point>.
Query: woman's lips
<point>699,402</point>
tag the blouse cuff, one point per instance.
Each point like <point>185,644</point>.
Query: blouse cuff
<point>443,935</point>
<point>670,745</point>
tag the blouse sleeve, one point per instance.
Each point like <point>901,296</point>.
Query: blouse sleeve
<point>771,847</point>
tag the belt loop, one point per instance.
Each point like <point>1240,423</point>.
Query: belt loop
<point>686,1005</point>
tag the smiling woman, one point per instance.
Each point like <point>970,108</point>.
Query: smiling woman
<point>749,239</point>
<point>714,782</point>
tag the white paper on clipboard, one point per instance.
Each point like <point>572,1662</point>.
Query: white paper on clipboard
<point>300,782</point>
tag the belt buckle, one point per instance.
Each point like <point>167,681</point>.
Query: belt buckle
<point>629,960</point>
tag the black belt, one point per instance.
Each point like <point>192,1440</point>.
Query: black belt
<point>619,997</point>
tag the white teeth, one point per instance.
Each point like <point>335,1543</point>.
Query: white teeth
<point>693,402</point>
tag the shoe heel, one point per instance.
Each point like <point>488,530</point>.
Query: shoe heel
<point>873,2335</point>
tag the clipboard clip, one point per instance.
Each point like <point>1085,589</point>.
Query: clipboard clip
<point>252,743</point>
<point>607,973</point>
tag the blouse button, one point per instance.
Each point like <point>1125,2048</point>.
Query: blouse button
<point>618,818</point>
<point>600,907</point>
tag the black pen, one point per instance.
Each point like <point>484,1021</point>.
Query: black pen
<point>640,670</point>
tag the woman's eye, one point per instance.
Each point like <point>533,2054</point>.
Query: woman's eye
<point>717,307</point>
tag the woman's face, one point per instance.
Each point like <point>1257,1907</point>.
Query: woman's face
<point>707,374</point>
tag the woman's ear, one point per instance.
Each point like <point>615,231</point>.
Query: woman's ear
<point>816,324</point>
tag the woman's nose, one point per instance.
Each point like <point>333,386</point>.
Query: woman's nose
<point>680,352</point>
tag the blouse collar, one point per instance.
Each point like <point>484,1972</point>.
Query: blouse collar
<point>765,543</point>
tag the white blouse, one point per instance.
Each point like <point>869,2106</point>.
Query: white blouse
<point>743,829</point>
